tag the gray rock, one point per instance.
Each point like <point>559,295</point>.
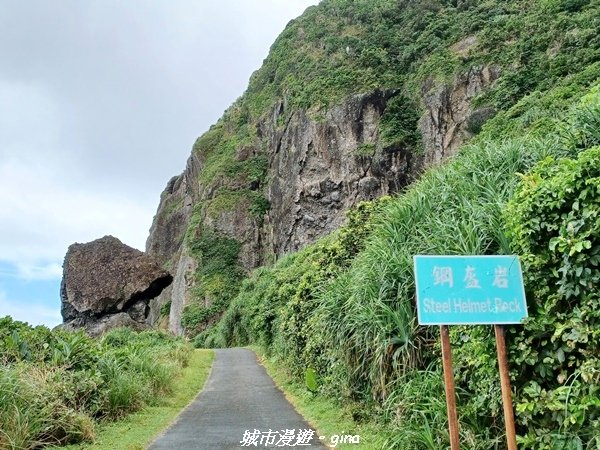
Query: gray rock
<point>139,311</point>
<point>107,284</point>
<point>103,324</point>
<point>316,171</point>
<point>180,291</point>
<point>446,125</point>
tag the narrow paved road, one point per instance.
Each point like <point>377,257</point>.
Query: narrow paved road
<point>240,407</point>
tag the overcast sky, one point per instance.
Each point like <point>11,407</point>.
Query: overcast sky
<point>100,104</point>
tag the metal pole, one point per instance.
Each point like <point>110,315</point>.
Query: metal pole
<point>449,385</point>
<point>509,419</point>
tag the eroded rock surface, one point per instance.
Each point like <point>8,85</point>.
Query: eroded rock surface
<point>107,284</point>
<point>319,166</point>
<point>318,171</point>
<point>445,126</point>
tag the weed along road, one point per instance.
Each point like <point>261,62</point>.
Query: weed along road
<point>239,407</point>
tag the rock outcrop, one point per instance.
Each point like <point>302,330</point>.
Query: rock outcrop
<point>321,168</point>
<point>446,124</point>
<point>318,168</point>
<point>107,284</point>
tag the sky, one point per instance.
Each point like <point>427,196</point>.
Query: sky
<point>100,104</point>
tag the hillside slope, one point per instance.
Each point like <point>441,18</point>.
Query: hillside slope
<point>344,307</point>
<point>355,99</point>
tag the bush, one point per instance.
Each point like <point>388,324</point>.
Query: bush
<point>399,123</point>
<point>554,222</point>
<point>217,279</point>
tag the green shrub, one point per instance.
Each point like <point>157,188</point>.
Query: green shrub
<point>33,412</point>
<point>217,278</point>
<point>366,149</point>
<point>399,123</point>
<point>259,207</point>
<point>165,310</point>
<point>124,394</point>
<point>554,221</point>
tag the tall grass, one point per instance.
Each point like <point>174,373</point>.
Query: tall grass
<point>56,386</point>
<point>455,209</point>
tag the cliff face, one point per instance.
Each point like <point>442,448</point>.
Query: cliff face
<point>166,240</point>
<point>318,166</point>
<point>317,170</point>
<point>449,116</point>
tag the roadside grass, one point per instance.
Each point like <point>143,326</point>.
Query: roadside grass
<point>325,415</point>
<point>139,429</point>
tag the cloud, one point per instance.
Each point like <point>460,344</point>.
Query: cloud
<point>41,216</point>
<point>122,89</point>
<point>31,312</point>
<point>100,104</point>
<point>31,272</point>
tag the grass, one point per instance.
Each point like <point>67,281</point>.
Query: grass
<point>139,429</point>
<point>58,387</point>
<point>323,414</point>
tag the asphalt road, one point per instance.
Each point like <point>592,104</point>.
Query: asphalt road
<point>240,407</point>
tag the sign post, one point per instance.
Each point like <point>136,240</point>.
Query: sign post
<point>509,420</point>
<point>471,290</point>
<point>449,387</point>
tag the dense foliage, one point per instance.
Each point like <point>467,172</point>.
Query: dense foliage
<point>342,47</point>
<point>217,277</point>
<point>255,304</point>
<point>555,223</point>
<point>56,386</point>
<point>345,309</point>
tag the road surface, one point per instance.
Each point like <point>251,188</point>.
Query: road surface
<point>239,407</point>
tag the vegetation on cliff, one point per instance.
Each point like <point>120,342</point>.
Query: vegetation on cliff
<point>341,47</point>
<point>345,307</point>
<point>57,386</point>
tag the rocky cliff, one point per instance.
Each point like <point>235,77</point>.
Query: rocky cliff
<point>318,166</point>
<point>354,100</point>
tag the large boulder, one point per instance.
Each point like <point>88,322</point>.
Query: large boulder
<point>107,284</point>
